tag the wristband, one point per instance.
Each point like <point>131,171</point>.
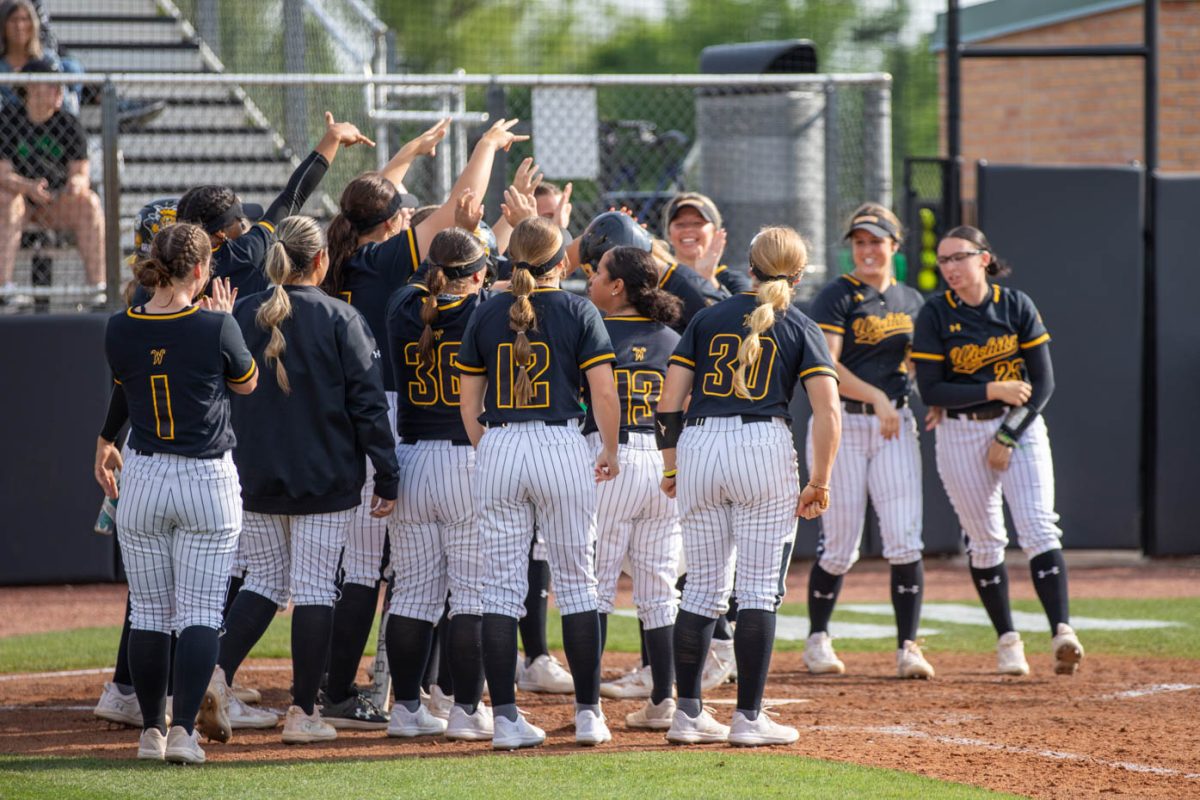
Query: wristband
<point>668,425</point>
<point>670,473</point>
<point>1015,424</point>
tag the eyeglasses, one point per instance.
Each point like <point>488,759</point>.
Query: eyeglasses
<point>958,257</point>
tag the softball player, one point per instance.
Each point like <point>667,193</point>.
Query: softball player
<point>983,354</point>
<point>529,352</point>
<point>635,522</point>
<point>867,319</point>
<point>299,490</point>
<point>692,224</point>
<point>434,535</point>
<point>738,489</point>
<point>373,251</point>
<point>179,517</point>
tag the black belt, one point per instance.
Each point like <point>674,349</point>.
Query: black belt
<point>149,453</point>
<point>980,415</point>
<point>415,439</point>
<point>550,423</point>
<point>856,407</point>
<point>746,419</point>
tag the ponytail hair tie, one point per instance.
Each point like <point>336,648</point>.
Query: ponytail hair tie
<point>538,270</point>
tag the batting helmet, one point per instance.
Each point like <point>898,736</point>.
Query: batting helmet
<point>152,218</point>
<point>608,230</point>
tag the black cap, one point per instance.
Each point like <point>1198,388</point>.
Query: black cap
<point>873,224</point>
<point>608,230</point>
<point>40,65</point>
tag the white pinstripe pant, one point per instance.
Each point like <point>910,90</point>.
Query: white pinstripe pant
<point>294,556</point>
<point>889,470</point>
<point>635,521</point>
<point>530,471</point>
<point>737,487</point>
<point>434,532</point>
<point>178,523</point>
<point>363,557</point>
<point>977,491</point>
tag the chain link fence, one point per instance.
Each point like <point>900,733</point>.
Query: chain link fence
<point>802,150</point>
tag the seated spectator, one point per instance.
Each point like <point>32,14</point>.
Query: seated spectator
<point>22,41</point>
<point>44,178</point>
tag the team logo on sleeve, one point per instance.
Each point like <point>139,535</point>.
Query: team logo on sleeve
<point>970,358</point>
<point>157,356</point>
<point>873,330</point>
<point>639,353</point>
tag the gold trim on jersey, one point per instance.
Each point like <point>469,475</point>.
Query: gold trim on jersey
<point>822,370</point>
<point>412,245</point>
<point>687,362</point>
<point>970,358</point>
<point>996,293</point>
<point>832,328</point>
<point>927,356</point>
<point>267,225</point>
<point>853,280</point>
<point>1045,337</point>
<point>663,280</point>
<point>249,373</point>
<point>186,312</point>
<point>950,299</point>
<point>591,362</point>
<point>473,370</point>
<point>453,304</point>
<point>628,319</point>
<point>873,330</point>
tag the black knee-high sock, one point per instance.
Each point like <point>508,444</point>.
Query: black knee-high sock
<point>693,635</point>
<point>581,643</point>
<point>148,654</point>
<point>499,635</point>
<point>231,593</point>
<point>752,647</point>
<point>533,624</point>
<point>434,660</point>
<point>604,633</point>
<point>722,631</point>
<point>195,657</point>
<point>408,644</point>
<point>465,646</point>
<point>352,618</point>
<point>908,586</point>
<point>660,644</point>
<point>1049,573</point>
<point>642,639</point>
<point>823,590</point>
<point>445,672</point>
<point>171,661</point>
<point>246,622</point>
<point>992,585</point>
<point>311,629</point>
<point>121,676</point>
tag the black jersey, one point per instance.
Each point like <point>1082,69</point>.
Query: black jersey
<point>569,339</point>
<point>427,399</point>
<point>370,276</point>
<point>243,260</point>
<point>173,368</point>
<point>792,349</point>
<point>643,348</point>
<point>979,344</point>
<point>734,280</point>
<point>695,292</point>
<point>876,329</point>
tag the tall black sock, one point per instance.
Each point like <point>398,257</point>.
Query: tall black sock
<point>311,629</point>
<point>246,622</point>
<point>352,618</point>
<point>823,590</point>
<point>465,645</point>
<point>231,592</point>
<point>908,586</point>
<point>693,635</point>
<point>445,672</point>
<point>721,630</point>
<point>533,624</point>
<point>408,643</point>
<point>148,654</point>
<point>992,585</point>
<point>604,632</point>
<point>121,676</point>
<point>581,643</point>
<point>499,634</point>
<point>642,639</point>
<point>171,661</point>
<point>434,660</point>
<point>660,644</point>
<point>195,657</point>
<point>752,647</point>
<point>1049,573</point>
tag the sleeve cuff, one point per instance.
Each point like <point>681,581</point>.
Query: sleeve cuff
<point>832,328</point>
<point>926,356</point>
<point>249,374</point>
<point>472,370</point>
<point>1045,337</point>
<point>600,359</point>
<point>811,371</point>
<point>685,362</point>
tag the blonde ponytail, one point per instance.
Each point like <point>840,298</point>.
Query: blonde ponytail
<point>533,241</point>
<point>777,259</point>
<point>289,260</point>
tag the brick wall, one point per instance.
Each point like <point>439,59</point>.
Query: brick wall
<point>1083,111</point>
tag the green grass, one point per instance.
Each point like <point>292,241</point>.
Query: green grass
<point>86,648</point>
<point>688,774</point>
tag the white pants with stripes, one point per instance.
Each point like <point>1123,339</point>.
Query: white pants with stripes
<point>977,491</point>
<point>737,487</point>
<point>362,561</point>
<point>637,524</point>
<point>178,522</point>
<point>527,472</point>
<point>434,532</point>
<point>887,470</point>
<point>294,557</point>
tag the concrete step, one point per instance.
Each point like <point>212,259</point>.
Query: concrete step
<point>103,58</point>
<point>181,93</point>
<point>244,144</point>
<point>134,197</point>
<point>151,176</point>
<point>125,8</point>
<point>117,30</point>
<point>198,118</point>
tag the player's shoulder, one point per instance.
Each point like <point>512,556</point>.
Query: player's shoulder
<point>1011,295</point>
<point>409,295</point>
<point>840,288</point>
<point>909,295</point>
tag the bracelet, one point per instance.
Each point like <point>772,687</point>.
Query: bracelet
<point>1005,438</point>
<point>670,473</point>
<point>818,486</point>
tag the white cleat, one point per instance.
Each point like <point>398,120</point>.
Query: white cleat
<point>242,716</point>
<point>1068,652</point>
<point>439,703</point>
<point>819,656</point>
<point>634,684</point>
<point>301,728</point>
<point>718,665</point>
<point>464,727</point>
<point>696,730</point>
<point>911,663</point>
<point>591,728</point>
<point>1010,655</point>
<point>653,717</point>
<point>762,731</point>
<point>247,694</point>
<point>152,745</point>
<point>405,724</point>
<point>183,747</point>
<point>547,675</point>
<point>123,709</point>
<point>516,734</point>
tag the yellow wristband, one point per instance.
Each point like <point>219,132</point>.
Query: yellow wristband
<point>670,473</point>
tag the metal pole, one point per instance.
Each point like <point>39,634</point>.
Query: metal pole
<point>497,108</point>
<point>208,25</point>
<point>295,107</point>
<point>1150,284</point>
<point>112,195</point>
<point>953,114</point>
<point>833,200</point>
<point>877,143</point>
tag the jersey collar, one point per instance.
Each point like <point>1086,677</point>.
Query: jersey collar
<point>184,313</point>
<point>955,301</point>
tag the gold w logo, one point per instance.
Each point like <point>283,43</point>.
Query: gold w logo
<point>158,355</point>
<point>437,334</point>
<point>639,353</point>
<point>955,327</point>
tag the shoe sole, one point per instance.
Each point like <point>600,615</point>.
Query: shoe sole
<point>539,689</point>
<point>150,755</point>
<point>395,734</point>
<point>468,736</point>
<point>1015,671</point>
<point>760,741</point>
<point>180,757</point>
<point>591,742</point>
<point>826,669</point>
<point>620,694</point>
<point>654,725</point>
<point>343,724</point>
<point>1066,659</point>
<point>118,718</point>
<point>305,739</point>
<point>521,745</point>
<point>919,674</point>
<point>705,738</point>
<point>211,720</point>
<point>250,697</point>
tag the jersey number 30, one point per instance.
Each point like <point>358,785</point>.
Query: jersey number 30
<point>718,381</point>
<point>435,383</point>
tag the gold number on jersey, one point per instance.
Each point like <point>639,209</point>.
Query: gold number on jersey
<point>507,370</point>
<point>160,391</point>
<point>436,383</point>
<point>639,389</point>
<point>1012,370</point>
<point>718,381</point>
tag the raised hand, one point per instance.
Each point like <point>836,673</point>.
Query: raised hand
<point>426,144</point>
<point>528,177</point>
<point>517,206</point>
<point>468,211</point>
<point>345,133</point>
<point>562,213</point>
<point>500,135</point>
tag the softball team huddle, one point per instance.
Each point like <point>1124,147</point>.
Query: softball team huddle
<point>374,405</point>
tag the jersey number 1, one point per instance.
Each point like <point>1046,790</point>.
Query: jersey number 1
<point>164,419</point>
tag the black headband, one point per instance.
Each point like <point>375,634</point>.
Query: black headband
<point>394,206</point>
<point>538,270</point>
<point>764,278</point>
<point>225,219</point>
<point>462,270</point>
